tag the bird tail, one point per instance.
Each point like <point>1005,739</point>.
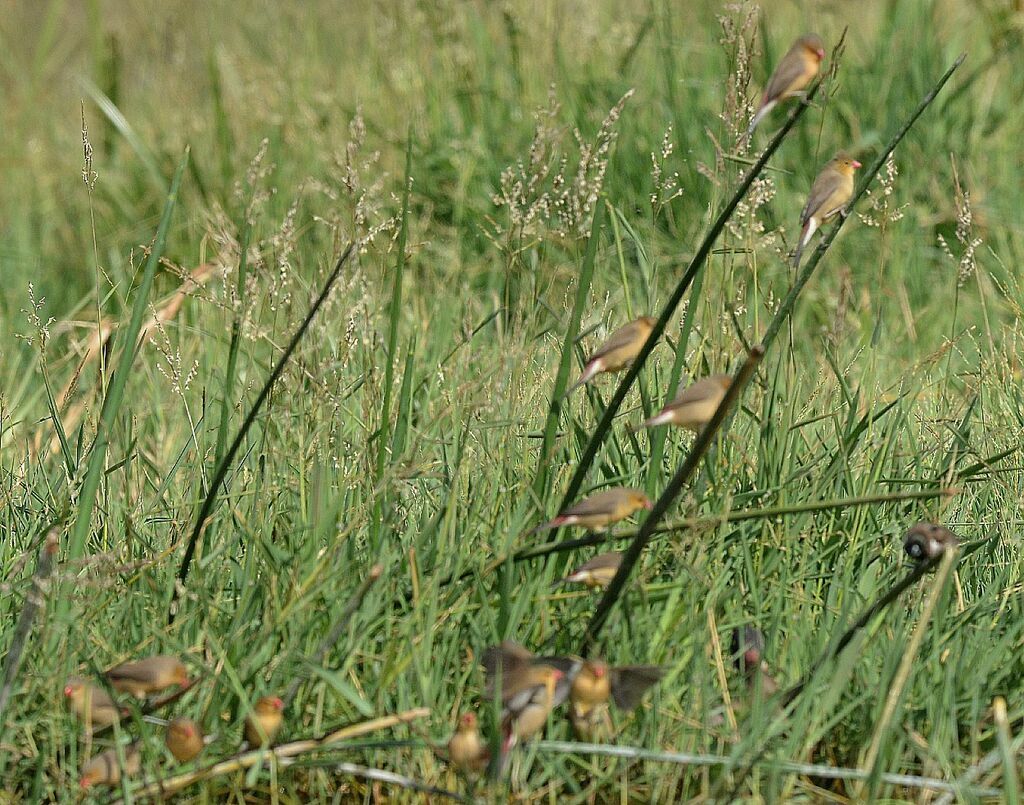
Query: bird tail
<point>761,113</point>
<point>572,577</point>
<point>805,238</point>
<point>589,372</point>
<point>662,418</point>
<point>555,523</point>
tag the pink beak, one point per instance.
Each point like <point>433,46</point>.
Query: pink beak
<point>821,54</point>
<point>856,164</point>
<point>648,505</point>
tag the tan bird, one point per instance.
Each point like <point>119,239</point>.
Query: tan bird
<point>106,769</point>
<point>592,687</point>
<point>618,351</point>
<point>92,704</point>
<point>150,675</point>
<point>184,738</point>
<point>829,195</point>
<point>529,690</point>
<point>597,573</point>
<point>694,405</point>
<point>792,75</point>
<point>600,510</point>
<point>265,720</point>
<point>467,751</point>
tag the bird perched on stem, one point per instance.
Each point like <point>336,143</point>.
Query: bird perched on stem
<point>184,738</point>
<point>694,405</point>
<point>792,75</point>
<point>467,750</point>
<point>600,510</point>
<point>150,675</point>
<point>106,769</point>
<point>618,351</point>
<point>264,721</point>
<point>92,704</point>
<point>597,573</point>
<point>830,193</point>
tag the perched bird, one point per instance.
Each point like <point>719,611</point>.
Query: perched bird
<point>106,769</point>
<point>601,509</point>
<point>792,75</point>
<point>467,751</point>
<point>92,704</point>
<point>618,351</point>
<point>748,654</point>
<point>184,738</point>
<point>150,675</point>
<point>924,541</point>
<point>694,405</point>
<point>830,193</point>
<point>264,721</point>
<point>597,573</point>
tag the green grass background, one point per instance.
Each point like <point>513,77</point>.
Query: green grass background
<point>898,373</point>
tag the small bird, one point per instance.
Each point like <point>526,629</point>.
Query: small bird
<point>792,75</point>
<point>592,687</point>
<point>105,769</point>
<point>830,193</point>
<point>529,687</point>
<point>748,654</point>
<point>265,720</point>
<point>467,751</point>
<point>694,405</point>
<point>600,510</point>
<point>92,704</point>
<point>618,351</point>
<point>184,738</point>
<point>597,573</point>
<point>924,541</point>
<point>150,675</point>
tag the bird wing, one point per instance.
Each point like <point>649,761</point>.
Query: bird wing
<point>133,671</point>
<point>826,191</point>
<point>508,658</point>
<point>602,560</point>
<point>787,75</point>
<point>600,503</point>
<point>622,337</point>
<point>630,682</point>
<point>701,390</point>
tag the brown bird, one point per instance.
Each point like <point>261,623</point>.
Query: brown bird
<point>106,769</point>
<point>694,405</point>
<point>184,738</point>
<point>265,720</point>
<point>150,675</point>
<point>529,687</point>
<point>601,509</point>
<point>748,654</point>
<point>592,687</point>
<point>830,193</point>
<point>467,751</point>
<point>924,541</point>
<point>597,573</point>
<point>792,75</point>
<point>618,351</point>
<point>92,704</point>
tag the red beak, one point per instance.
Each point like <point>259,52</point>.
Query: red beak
<point>856,164</point>
<point>278,704</point>
<point>821,54</point>
<point>68,690</point>
<point>648,505</point>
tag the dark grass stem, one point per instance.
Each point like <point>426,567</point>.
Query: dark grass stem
<point>222,468</point>
<point>786,308</point>
<point>668,311</point>
<point>33,599</point>
<point>339,627</point>
<point>682,477</point>
<point>565,362</point>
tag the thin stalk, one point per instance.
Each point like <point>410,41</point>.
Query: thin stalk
<point>672,490</point>
<point>565,363</point>
<point>668,311</point>
<point>222,468</point>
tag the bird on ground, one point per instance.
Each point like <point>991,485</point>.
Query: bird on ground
<point>263,723</point>
<point>618,351</point>
<point>597,573</point>
<point>792,75</point>
<point>184,738</point>
<point>694,405</point>
<point>92,704</point>
<point>150,675</point>
<point>748,654</point>
<point>467,750</point>
<point>924,541</point>
<point>600,510</point>
<point>830,193</point>
<point>106,769</point>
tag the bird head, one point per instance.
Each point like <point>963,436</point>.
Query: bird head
<point>641,501</point>
<point>813,45</point>
<point>845,163</point>
<point>647,322</point>
<point>927,540</point>
<point>181,674</point>
<point>182,727</point>
<point>467,721</point>
<point>596,668</point>
<point>269,704</point>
